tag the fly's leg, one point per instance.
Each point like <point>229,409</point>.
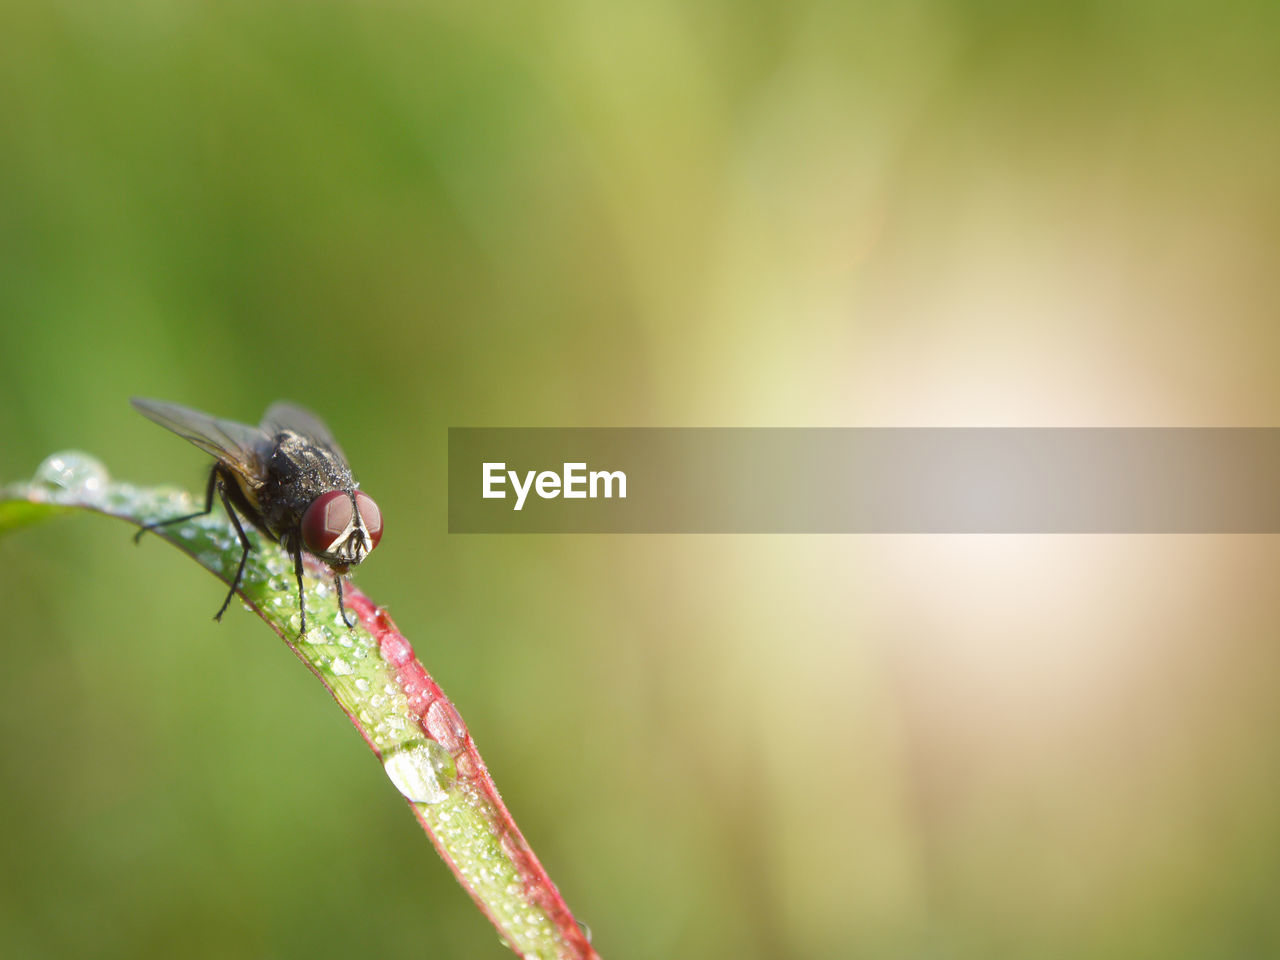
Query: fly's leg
<point>297,571</point>
<point>337,585</point>
<point>208,508</point>
<point>244,542</point>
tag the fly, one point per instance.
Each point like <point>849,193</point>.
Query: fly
<point>289,478</point>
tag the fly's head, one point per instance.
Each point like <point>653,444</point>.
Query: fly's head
<point>342,527</point>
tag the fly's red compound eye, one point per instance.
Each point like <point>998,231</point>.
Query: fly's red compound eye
<point>370,517</point>
<point>326,520</point>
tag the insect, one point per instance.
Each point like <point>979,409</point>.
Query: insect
<point>289,478</point>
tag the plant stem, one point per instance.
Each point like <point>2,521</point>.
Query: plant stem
<point>372,673</point>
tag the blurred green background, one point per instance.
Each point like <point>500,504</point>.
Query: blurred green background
<point>410,216</point>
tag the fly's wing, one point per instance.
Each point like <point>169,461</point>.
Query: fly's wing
<point>283,415</point>
<point>239,446</point>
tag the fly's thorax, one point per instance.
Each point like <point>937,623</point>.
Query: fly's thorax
<point>298,472</point>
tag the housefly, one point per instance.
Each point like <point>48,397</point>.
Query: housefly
<point>289,478</point>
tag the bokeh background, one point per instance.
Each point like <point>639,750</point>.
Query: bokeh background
<point>416,215</point>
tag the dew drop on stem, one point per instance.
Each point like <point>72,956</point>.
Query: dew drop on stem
<point>423,772</point>
<point>72,474</point>
<point>445,726</point>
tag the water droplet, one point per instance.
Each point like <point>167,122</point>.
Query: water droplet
<point>340,667</point>
<point>513,846</point>
<point>72,473</point>
<point>465,766</point>
<point>586,931</point>
<point>445,726</point>
<point>422,772</point>
<point>362,685</point>
<point>395,650</point>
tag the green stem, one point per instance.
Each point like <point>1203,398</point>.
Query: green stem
<point>372,673</point>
